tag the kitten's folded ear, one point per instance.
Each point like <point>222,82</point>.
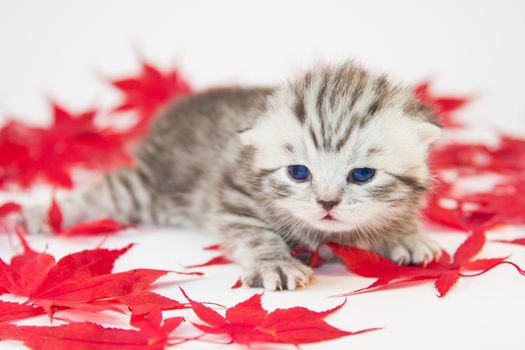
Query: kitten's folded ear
<point>247,137</point>
<point>429,132</point>
<point>428,126</point>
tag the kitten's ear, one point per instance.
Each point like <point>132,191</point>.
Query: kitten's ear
<point>248,137</point>
<point>429,132</point>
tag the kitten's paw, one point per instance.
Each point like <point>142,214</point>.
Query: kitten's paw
<point>415,249</point>
<point>278,275</point>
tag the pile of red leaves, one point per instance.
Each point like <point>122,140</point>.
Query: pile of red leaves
<point>28,154</point>
<point>245,323</point>
<point>74,140</point>
<point>152,333</point>
<point>501,205</point>
<point>84,281</point>
<point>79,281</point>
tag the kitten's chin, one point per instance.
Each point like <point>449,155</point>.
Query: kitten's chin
<point>331,225</point>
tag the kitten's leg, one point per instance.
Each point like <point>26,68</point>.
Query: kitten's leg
<point>265,257</point>
<point>123,196</point>
<point>410,246</point>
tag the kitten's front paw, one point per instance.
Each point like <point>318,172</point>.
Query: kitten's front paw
<point>415,249</point>
<point>278,275</point>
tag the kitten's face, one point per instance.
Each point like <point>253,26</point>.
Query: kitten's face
<point>342,150</point>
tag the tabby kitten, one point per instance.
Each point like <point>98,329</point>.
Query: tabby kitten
<point>339,155</point>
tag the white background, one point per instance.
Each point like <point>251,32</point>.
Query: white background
<point>64,49</point>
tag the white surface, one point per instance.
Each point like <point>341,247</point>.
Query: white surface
<point>62,48</point>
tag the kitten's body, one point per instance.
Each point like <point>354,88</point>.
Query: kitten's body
<point>219,160</point>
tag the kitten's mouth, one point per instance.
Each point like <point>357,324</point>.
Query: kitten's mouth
<point>329,217</point>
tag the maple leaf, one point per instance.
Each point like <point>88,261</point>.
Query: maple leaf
<point>443,106</point>
<point>150,89</point>
<point>237,284</point>
<point>74,140</point>
<point>517,241</point>
<point>81,281</point>
<point>8,208</point>
<point>508,156</point>
<point>152,334</point>
<point>478,211</point>
<point>247,322</point>
<point>54,216</point>
<point>147,92</point>
<point>14,311</point>
<point>503,204</point>
<point>29,154</point>
<point>312,257</point>
<point>97,227</point>
<point>143,302</point>
<point>214,247</point>
<point>101,226</point>
<point>445,272</point>
<point>217,260</point>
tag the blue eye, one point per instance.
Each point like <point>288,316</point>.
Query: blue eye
<point>361,175</point>
<point>298,172</point>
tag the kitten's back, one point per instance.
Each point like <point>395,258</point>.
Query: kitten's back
<point>208,118</point>
<point>194,138</point>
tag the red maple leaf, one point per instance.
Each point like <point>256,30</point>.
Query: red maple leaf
<point>214,247</point>
<point>98,227</point>
<point>461,214</point>
<point>143,302</point>
<point>443,106</point>
<point>152,334</point>
<point>54,216</point>
<point>217,260</point>
<point>517,241</point>
<point>81,281</point>
<point>237,284</point>
<point>8,208</point>
<point>445,272</point>
<point>247,322</point>
<point>148,91</point>
<point>508,157</point>
<point>15,311</point>
<point>101,226</point>
<point>28,154</point>
<point>504,204</point>
<point>500,205</point>
<point>313,257</point>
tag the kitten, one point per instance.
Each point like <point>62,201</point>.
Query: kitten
<point>339,155</point>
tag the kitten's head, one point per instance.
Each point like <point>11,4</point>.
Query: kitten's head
<point>342,149</point>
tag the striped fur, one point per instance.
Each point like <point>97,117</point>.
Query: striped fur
<point>198,166</point>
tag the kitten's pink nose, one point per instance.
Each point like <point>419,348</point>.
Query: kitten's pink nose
<point>328,205</point>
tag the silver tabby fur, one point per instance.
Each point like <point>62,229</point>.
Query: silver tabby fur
<point>219,159</point>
